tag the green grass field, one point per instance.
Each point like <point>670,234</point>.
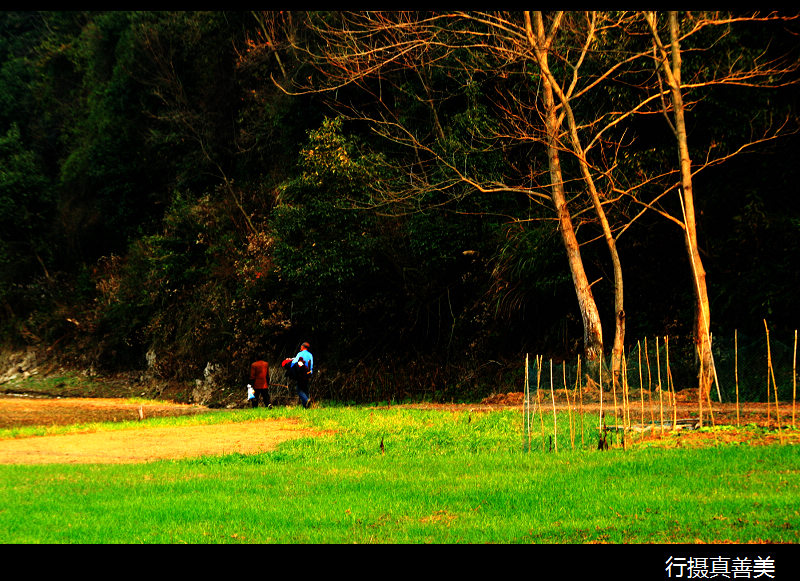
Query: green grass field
<point>442,477</point>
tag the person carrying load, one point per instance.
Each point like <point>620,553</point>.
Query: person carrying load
<point>300,369</point>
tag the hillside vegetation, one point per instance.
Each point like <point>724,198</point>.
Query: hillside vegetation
<point>184,192</point>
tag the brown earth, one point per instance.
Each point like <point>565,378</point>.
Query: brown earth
<point>37,411</point>
<point>648,404</point>
<point>133,444</point>
<point>142,443</point>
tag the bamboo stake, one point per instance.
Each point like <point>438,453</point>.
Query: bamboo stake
<point>794,377</point>
<point>527,408</point>
<point>530,412</point>
<point>569,406</point>
<point>628,393</point>
<point>716,379</point>
<point>601,397</point>
<point>736,371</point>
<point>525,402</point>
<point>649,383</point>
<point>538,395</point>
<point>700,394</point>
<point>775,392</point>
<point>774,383</point>
<point>710,407</point>
<point>768,366</point>
<point>660,394</point>
<point>641,388</point>
<point>710,410</point>
<point>626,410</point>
<point>580,395</point>
<point>671,387</point>
<point>674,394</point>
<point>625,407</point>
<point>614,392</point>
<point>627,388</point>
<point>555,420</point>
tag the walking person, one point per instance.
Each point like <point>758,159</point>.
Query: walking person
<point>302,368</point>
<point>259,379</point>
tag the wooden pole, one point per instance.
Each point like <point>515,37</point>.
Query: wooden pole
<point>671,386</point>
<point>700,394</point>
<point>627,392</point>
<point>601,397</point>
<point>794,377</point>
<point>710,409</point>
<point>580,395</point>
<point>716,379</point>
<point>674,395</point>
<point>660,395</point>
<point>614,393</point>
<point>538,396</point>
<point>626,409</point>
<point>555,420</point>
<point>768,366</point>
<point>527,401</point>
<point>527,407</point>
<point>771,372</point>
<point>569,406</point>
<point>775,393</point>
<point>649,383</point>
<point>641,388</point>
<point>736,370</point>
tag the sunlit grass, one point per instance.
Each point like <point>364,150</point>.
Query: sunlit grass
<point>440,477</point>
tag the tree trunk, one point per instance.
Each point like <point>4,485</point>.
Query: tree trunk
<point>672,70</point>
<point>592,329</point>
<point>580,154</point>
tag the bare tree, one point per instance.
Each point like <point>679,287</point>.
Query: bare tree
<point>379,53</point>
<point>566,92</point>
<point>760,72</point>
<point>371,50</point>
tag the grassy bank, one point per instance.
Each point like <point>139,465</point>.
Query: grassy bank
<point>440,477</point>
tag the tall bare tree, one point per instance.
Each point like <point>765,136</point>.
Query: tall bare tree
<point>366,49</point>
<point>543,45</point>
<point>380,52</point>
<point>759,72</point>
<point>541,42</point>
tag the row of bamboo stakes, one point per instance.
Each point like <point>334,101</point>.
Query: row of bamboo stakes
<point>669,395</point>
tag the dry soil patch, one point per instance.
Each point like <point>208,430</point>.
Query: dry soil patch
<point>137,443</point>
<point>18,411</point>
<point>145,444</point>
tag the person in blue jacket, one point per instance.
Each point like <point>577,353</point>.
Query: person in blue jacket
<point>302,368</point>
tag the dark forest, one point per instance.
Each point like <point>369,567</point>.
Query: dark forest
<point>424,197</point>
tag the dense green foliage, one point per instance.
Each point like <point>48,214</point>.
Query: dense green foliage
<point>160,194</point>
<point>442,477</point>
